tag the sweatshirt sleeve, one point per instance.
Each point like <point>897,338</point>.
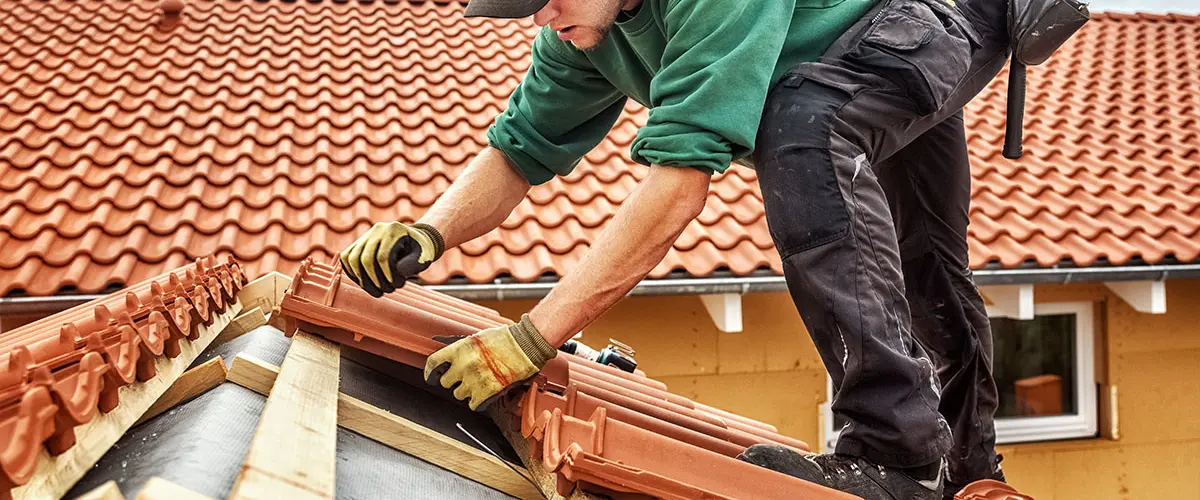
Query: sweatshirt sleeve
<point>707,98</point>
<point>558,113</point>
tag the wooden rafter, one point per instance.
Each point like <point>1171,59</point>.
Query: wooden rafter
<point>399,433</point>
<point>293,452</point>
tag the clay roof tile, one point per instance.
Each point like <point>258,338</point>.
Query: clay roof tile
<point>258,127</point>
<point>597,427</point>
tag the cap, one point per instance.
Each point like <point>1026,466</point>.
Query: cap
<point>509,9</point>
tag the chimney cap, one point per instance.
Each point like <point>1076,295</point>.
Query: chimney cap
<point>172,7</point>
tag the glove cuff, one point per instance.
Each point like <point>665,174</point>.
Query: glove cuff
<point>532,343</point>
<point>439,244</point>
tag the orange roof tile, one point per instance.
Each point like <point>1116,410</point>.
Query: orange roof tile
<point>132,142</point>
<point>990,489</point>
<point>596,427</point>
<point>58,372</point>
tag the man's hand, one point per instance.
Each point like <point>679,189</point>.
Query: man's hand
<point>389,253</point>
<point>479,200</point>
<point>488,362</point>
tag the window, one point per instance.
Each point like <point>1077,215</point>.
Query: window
<point>1045,375</point>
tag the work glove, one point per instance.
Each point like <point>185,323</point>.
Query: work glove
<point>488,362</point>
<point>389,253</point>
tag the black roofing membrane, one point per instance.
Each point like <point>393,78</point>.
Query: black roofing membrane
<point>367,470</point>
<point>200,444</point>
<point>403,392</point>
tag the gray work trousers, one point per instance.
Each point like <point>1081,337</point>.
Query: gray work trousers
<point>862,161</point>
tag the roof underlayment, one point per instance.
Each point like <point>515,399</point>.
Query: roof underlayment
<point>200,444</point>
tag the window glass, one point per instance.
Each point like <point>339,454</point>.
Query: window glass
<point>1034,365</point>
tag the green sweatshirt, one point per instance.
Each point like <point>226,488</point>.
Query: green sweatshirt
<point>702,67</point>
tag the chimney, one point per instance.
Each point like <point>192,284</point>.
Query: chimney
<point>172,8</point>
<point>172,13</point>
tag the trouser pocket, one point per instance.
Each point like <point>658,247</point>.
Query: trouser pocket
<point>923,48</point>
<point>796,173</point>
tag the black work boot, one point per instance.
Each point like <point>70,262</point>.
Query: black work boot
<point>851,474</point>
<point>997,471</point>
<point>952,488</point>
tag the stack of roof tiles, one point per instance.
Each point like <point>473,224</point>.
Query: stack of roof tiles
<point>134,138</point>
<point>596,427</point>
<point>58,372</point>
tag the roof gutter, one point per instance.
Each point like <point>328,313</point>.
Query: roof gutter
<point>684,286</point>
<point>19,306</point>
<point>508,290</point>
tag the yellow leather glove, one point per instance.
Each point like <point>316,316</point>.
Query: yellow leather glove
<point>483,365</point>
<point>389,253</point>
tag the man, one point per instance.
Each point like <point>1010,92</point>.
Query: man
<point>850,111</point>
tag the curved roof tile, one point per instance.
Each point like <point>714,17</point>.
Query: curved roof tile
<point>129,146</point>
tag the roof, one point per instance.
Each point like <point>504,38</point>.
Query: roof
<point>57,372</point>
<point>592,427</point>
<point>132,142</point>
<point>597,427</point>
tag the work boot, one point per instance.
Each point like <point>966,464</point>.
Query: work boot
<point>952,488</point>
<point>851,474</point>
<point>997,471</point>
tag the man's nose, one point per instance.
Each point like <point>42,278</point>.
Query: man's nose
<point>546,14</point>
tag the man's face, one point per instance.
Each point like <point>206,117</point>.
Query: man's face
<point>584,23</point>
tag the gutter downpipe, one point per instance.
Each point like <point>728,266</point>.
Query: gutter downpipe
<point>502,290</point>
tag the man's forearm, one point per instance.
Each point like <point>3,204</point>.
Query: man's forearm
<point>634,241</point>
<point>479,199</point>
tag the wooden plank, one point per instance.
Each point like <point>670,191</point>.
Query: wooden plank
<point>1110,427</point>
<point>253,373</point>
<point>106,491</point>
<point>258,293</point>
<point>399,433</point>
<point>254,483</point>
<point>56,475</point>
<point>249,320</point>
<point>294,448</point>
<point>264,292</point>
<point>158,488</point>
<point>276,320</point>
<point>192,383</point>
<point>282,283</point>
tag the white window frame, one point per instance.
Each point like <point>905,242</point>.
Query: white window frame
<point>1084,424</point>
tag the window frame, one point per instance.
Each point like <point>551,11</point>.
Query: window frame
<point>1009,430</point>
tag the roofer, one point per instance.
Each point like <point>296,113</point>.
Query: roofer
<point>850,111</point>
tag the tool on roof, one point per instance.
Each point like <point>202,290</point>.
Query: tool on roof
<point>617,354</point>
<point>1036,29</point>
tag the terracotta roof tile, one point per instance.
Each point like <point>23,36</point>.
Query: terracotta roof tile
<point>988,489</point>
<point>57,372</point>
<point>597,427</point>
<point>131,143</point>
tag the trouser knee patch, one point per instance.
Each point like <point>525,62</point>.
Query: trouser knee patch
<point>804,205</point>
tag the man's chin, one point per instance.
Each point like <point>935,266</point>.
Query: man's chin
<point>587,44</point>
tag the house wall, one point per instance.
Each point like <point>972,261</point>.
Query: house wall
<point>772,373</point>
